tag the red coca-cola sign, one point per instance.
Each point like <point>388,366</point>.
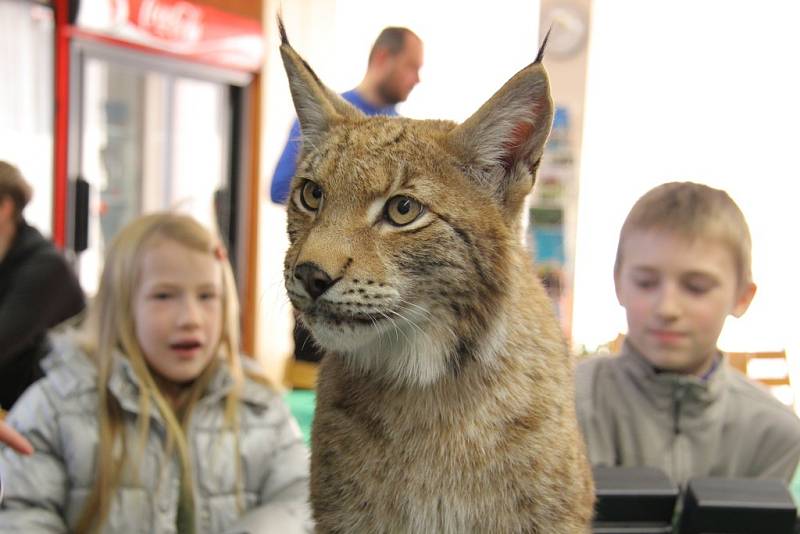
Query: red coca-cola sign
<point>179,27</point>
<point>178,21</point>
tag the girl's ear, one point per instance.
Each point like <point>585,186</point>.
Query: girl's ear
<point>744,299</point>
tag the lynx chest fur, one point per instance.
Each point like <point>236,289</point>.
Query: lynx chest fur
<point>445,399</point>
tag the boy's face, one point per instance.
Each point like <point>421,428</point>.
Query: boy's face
<point>677,294</point>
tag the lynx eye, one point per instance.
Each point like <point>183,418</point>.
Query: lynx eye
<point>311,195</point>
<point>401,210</point>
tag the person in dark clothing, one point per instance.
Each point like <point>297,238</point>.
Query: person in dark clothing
<point>38,290</point>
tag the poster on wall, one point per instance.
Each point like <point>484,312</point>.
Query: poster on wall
<point>549,207</point>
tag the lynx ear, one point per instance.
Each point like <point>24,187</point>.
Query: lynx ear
<point>502,143</point>
<point>317,106</point>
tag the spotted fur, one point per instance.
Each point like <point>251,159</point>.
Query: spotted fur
<point>445,399</point>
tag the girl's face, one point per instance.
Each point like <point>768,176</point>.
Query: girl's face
<point>177,311</point>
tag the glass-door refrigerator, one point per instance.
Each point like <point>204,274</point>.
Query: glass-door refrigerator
<point>157,94</point>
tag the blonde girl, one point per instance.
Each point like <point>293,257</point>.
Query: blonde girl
<point>148,420</point>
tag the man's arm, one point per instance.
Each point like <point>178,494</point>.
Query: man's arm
<point>284,171</point>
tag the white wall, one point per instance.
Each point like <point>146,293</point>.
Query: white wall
<point>308,28</point>
<point>471,49</point>
<point>26,102</point>
<point>693,90</point>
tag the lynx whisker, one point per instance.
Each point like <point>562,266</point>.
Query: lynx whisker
<point>374,324</point>
<point>306,340</point>
<point>420,308</point>
<point>409,321</point>
<point>396,328</point>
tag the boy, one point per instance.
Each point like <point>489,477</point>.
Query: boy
<point>670,400</point>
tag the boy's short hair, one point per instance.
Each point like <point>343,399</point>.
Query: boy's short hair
<point>692,211</point>
<point>14,186</point>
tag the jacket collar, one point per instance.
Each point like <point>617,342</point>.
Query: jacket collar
<point>663,386</point>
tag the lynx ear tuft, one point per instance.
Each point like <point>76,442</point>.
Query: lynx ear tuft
<point>282,30</point>
<point>540,55</point>
<point>501,144</point>
<point>317,106</point>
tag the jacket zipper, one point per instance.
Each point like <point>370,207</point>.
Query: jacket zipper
<point>677,458</point>
<point>677,396</point>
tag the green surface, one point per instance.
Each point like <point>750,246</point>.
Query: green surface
<point>301,403</point>
<point>794,487</point>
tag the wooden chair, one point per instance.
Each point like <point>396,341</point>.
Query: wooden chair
<point>612,347</point>
<point>770,369</point>
<point>301,374</point>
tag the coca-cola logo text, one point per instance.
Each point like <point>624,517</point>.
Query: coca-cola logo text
<point>179,21</point>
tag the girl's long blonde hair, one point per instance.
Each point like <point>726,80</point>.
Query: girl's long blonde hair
<point>109,328</point>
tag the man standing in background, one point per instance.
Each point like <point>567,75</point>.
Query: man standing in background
<point>392,72</point>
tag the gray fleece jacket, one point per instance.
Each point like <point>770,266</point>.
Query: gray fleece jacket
<point>46,492</point>
<point>724,426</point>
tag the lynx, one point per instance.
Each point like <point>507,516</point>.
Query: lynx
<point>445,396</point>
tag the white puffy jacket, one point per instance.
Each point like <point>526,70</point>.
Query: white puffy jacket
<point>45,492</point>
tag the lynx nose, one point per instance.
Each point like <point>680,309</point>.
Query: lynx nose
<point>315,280</point>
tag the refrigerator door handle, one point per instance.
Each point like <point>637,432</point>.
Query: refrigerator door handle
<point>81,227</point>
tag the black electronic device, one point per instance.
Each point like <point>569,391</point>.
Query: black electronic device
<point>633,500</point>
<point>737,506</point>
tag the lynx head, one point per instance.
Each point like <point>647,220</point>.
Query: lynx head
<point>404,233</point>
